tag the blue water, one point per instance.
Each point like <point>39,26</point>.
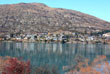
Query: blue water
<point>53,54</point>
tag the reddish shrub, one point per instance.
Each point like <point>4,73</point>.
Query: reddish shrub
<point>46,70</point>
<point>99,65</point>
<point>14,66</point>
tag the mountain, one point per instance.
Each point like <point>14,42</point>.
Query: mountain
<point>37,17</point>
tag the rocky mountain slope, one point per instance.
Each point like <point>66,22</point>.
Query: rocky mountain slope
<point>36,17</point>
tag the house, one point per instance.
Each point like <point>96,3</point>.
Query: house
<point>60,37</point>
<point>67,32</point>
<point>8,37</point>
<point>106,35</point>
<point>49,37</point>
<point>55,38</point>
<point>81,39</point>
<point>90,38</point>
<point>30,37</point>
<point>18,38</point>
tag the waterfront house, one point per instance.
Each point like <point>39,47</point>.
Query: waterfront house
<point>8,37</point>
<point>106,35</point>
<point>81,39</point>
<point>47,38</point>
<point>55,38</point>
<point>90,38</point>
<point>18,38</point>
<point>32,37</point>
<point>60,37</point>
<point>25,38</point>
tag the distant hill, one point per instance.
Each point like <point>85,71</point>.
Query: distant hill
<point>36,17</point>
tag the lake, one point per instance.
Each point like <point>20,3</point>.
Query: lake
<point>54,54</point>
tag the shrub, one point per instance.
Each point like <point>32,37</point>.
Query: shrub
<point>46,70</point>
<point>99,65</point>
<point>10,65</point>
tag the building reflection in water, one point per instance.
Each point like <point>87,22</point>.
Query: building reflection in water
<point>58,48</point>
<point>25,46</point>
<point>18,46</point>
<point>52,53</point>
<point>54,47</point>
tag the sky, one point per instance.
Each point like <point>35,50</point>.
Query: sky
<point>98,8</point>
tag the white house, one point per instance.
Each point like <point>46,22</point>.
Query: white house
<point>90,38</point>
<point>107,35</point>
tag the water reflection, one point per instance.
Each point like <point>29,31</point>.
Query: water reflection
<point>52,53</point>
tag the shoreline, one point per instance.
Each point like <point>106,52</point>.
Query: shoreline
<point>74,42</point>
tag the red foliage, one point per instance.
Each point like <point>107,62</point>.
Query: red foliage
<point>14,66</point>
<point>99,65</point>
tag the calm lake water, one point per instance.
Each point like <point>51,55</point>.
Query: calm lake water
<point>55,54</point>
